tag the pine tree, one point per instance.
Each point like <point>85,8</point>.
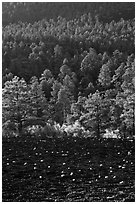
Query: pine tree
<point>90,66</point>
<point>64,101</point>
<point>68,84</point>
<point>128,114</point>
<point>105,76</point>
<point>54,106</point>
<point>64,70</point>
<point>125,99</point>
<point>39,105</point>
<point>15,104</point>
<point>55,89</point>
<point>46,82</point>
<point>77,108</point>
<point>96,118</point>
<point>128,87</point>
<point>117,77</point>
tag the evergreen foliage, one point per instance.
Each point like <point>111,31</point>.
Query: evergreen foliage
<point>78,68</point>
<point>15,103</point>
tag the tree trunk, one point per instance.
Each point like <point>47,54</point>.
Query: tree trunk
<point>98,123</point>
<point>20,127</point>
<point>98,130</point>
<point>64,114</point>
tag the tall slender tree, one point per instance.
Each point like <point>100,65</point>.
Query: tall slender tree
<point>128,87</point>
<point>96,118</point>
<point>104,77</point>
<point>15,103</point>
<point>39,105</point>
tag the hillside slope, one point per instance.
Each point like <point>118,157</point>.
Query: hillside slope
<point>34,11</point>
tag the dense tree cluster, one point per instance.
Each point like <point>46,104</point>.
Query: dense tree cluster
<point>68,70</point>
<point>29,11</point>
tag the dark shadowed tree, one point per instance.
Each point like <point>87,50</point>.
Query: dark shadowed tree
<point>46,82</point>
<point>39,106</point>
<point>96,116</point>
<point>90,66</point>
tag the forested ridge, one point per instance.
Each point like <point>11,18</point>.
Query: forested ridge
<point>29,11</point>
<point>75,63</point>
<point>68,102</point>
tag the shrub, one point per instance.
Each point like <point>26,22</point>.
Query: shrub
<point>9,129</point>
<point>8,134</point>
<point>74,129</point>
<point>111,134</point>
<point>51,130</point>
<point>33,130</point>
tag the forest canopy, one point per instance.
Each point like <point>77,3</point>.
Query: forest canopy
<point>29,11</point>
<point>75,61</point>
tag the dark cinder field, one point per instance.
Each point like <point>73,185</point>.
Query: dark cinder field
<point>67,169</point>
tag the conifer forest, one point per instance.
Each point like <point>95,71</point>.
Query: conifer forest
<point>68,102</point>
